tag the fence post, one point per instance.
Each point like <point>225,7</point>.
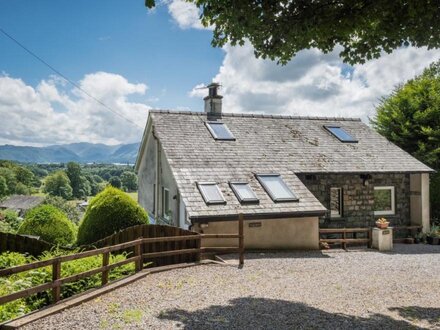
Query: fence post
<point>139,263</point>
<point>199,246</point>
<point>56,275</point>
<point>241,238</point>
<point>344,237</point>
<point>105,262</point>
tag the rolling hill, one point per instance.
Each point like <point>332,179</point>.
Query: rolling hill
<point>82,152</point>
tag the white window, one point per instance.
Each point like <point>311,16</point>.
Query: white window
<point>219,131</point>
<point>384,200</point>
<point>211,193</point>
<point>335,202</point>
<point>276,188</point>
<point>165,202</point>
<point>244,192</point>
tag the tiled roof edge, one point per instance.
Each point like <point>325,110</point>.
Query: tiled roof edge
<point>251,115</point>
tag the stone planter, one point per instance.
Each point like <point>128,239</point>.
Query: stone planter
<point>382,225</point>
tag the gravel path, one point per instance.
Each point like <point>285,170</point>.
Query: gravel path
<point>296,290</point>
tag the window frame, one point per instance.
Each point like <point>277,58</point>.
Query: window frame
<point>260,176</point>
<point>165,191</point>
<point>341,203</point>
<point>214,135</point>
<point>208,202</point>
<point>393,201</point>
<point>329,127</point>
<point>240,198</point>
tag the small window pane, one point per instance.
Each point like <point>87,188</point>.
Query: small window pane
<point>383,200</point>
<point>276,187</point>
<point>340,133</point>
<point>335,202</point>
<point>211,193</point>
<point>244,192</point>
<point>219,131</point>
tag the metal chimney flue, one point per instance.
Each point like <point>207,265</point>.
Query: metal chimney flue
<point>213,102</point>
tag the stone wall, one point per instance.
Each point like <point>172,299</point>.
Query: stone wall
<point>358,200</point>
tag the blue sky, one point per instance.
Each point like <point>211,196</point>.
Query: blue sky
<point>123,37</point>
<point>133,60</point>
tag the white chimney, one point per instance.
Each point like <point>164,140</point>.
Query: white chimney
<point>213,102</point>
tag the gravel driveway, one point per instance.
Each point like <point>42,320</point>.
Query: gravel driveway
<point>306,290</point>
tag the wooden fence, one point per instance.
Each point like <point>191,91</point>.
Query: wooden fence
<point>23,244</point>
<point>157,247</point>
<point>344,239</point>
<point>353,232</point>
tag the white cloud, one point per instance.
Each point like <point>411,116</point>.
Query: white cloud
<point>313,83</point>
<point>55,113</point>
<point>185,14</point>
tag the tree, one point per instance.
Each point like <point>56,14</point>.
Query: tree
<point>58,184</point>
<point>9,176</point>
<point>278,29</point>
<point>108,212</point>
<point>50,224</point>
<point>24,175</point>
<point>3,187</point>
<point>73,172</point>
<point>129,181</point>
<point>115,182</point>
<point>410,118</point>
<point>67,207</point>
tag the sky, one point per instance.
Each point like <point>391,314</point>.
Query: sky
<point>133,59</point>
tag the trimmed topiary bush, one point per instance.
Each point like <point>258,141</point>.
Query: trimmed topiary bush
<point>108,212</point>
<point>50,223</point>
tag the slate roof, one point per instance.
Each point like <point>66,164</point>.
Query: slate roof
<point>21,202</point>
<point>268,144</point>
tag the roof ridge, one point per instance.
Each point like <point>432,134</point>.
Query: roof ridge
<point>256,115</point>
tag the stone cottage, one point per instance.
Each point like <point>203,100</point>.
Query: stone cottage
<point>287,175</point>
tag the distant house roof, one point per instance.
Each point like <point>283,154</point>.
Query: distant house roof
<point>286,145</point>
<point>21,202</point>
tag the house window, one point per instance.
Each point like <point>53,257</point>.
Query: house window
<point>384,200</point>
<point>219,131</point>
<point>165,202</point>
<point>335,202</point>
<point>340,134</point>
<point>211,193</point>
<point>276,188</point>
<point>244,192</point>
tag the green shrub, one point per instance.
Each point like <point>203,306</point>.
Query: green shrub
<point>110,211</point>
<point>50,223</point>
<point>10,219</point>
<point>67,207</point>
<point>39,276</point>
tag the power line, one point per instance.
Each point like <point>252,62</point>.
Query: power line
<point>66,78</point>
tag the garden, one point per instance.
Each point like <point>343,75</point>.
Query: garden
<point>55,223</point>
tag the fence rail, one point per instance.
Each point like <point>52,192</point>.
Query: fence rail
<point>344,240</point>
<point>138,258</point>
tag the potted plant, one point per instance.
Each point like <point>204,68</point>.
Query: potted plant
<point>382,223</point>
<point>419,238</point>
<point>433,236</point>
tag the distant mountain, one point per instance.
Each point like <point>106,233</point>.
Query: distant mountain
<point>82,152</point>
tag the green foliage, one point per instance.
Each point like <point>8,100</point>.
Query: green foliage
<point>115,182</point>
<point>110,211</point>
<point>39,276</point>
<point>67,207</point>
<point>410,118</point>
<point>58,184</point>
<point>51,224</point>
<point>129,181</point>
<point>21,189</point>
<point>11,181</point>
<point>3,187</point>
<point>79,184</point>
<point>24,175</point>
<point>280,29</point>
<point>9,221</point>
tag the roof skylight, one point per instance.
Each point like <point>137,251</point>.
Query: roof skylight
<point>276,188</point>
<point>244,192</point>
<point>211,193</point>
<point>219,131</point>
<point>340,134</point>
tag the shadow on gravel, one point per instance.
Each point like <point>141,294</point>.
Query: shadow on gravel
<point>260,313</point>
<point>427,314</point>
<point>414,249</point>
<point>250,255</point>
